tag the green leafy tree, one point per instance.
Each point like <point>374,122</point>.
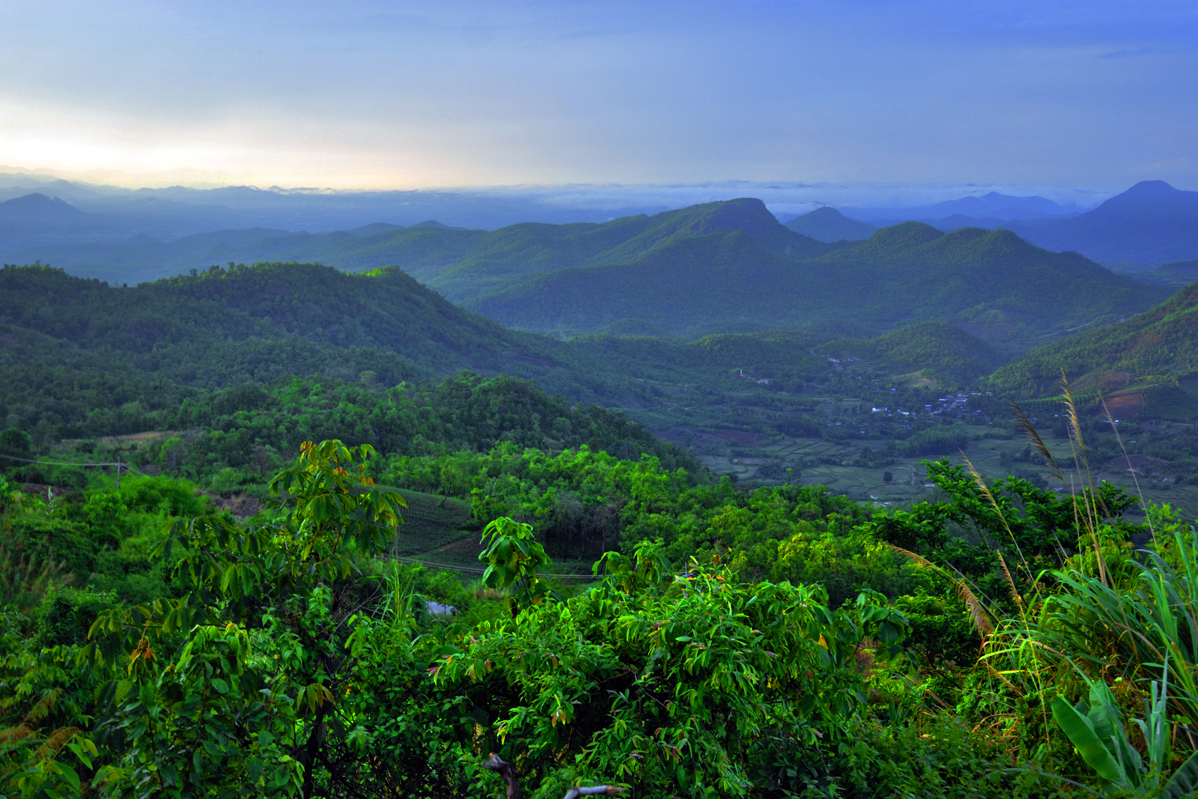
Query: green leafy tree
<point>240,684</point>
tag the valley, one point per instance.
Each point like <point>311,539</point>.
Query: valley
<point>704,393</point>
<point>763,400</point>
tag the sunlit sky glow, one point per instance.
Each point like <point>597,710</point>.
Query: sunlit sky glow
<point>416,95</point>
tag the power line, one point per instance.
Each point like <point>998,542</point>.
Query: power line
<point>62,463</point>
<point>430,564</point>
<point>472,570</point>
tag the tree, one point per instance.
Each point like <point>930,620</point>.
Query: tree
<point>260,678</point>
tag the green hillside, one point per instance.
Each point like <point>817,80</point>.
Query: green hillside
<point>991,283</point>
<point>313,307</point>
<point>500,258</point>
<point>76,348</point>
<point>697,286</point>
<point>462,264</point>
<point>941,351</point>
<point>1149,360</point>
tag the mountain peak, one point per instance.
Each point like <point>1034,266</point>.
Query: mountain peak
<point>829,225</point>
<point>1154,198</point>
<point>40,206</point>
<point>744,213</point>
<point>1152,188</point>
<point>904,235</point>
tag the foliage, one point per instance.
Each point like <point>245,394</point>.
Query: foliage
<point>937,348</point>
<point>687,685</point>
<point>1097,731</point>
<point>1130,632</point>
<point>284,585</point>
<point>515,561</point>
<point>44,752</point>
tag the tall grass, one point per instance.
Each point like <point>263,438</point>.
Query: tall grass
<point>1114,623</point>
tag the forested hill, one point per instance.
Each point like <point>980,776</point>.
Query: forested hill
<point>82,357</point>
<point>992,283</point>
<point>463,264</point>
<point>204,322</point>
<point>1151,354</point>
<point>939,350</point>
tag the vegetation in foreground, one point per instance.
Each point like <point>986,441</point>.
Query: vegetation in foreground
<point>777,642</point>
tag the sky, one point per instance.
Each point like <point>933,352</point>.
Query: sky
<point>1052,94</point>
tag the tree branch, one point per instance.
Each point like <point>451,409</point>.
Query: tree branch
<point>512,780</point>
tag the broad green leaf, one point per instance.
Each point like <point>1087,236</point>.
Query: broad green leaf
<point>1088,745</point>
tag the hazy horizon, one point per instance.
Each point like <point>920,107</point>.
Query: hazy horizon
<point>785,199</point>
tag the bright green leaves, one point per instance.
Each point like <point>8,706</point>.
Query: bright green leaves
<point>335,502</point>
<point>201,722</point>
<point>1097,731</point>
<point>675,684</point>
<point>237,685</point>
<point>515,561</point>
<point>43,750</point>
<point>330,511</point>
<point>1092,731</point>
<point>648,567</point>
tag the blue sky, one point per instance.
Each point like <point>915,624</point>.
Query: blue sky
<point>1096,95</point>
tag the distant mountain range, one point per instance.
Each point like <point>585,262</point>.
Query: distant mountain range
<point>717,267</point>
<point>990,283</point>
<point>130,230</point>
<point>991,206</point>
<point>1149,224</point>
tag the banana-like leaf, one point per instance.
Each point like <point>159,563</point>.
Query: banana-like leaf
<point>1184,781</point>
<point>1087,743</point>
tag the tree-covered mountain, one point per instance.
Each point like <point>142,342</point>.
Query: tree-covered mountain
<point>828,224</point>
<point>457,262</point>
<point>1152,356</point>
<point>205,313</point>
<point>991,283</point>
<point>74,347</point>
